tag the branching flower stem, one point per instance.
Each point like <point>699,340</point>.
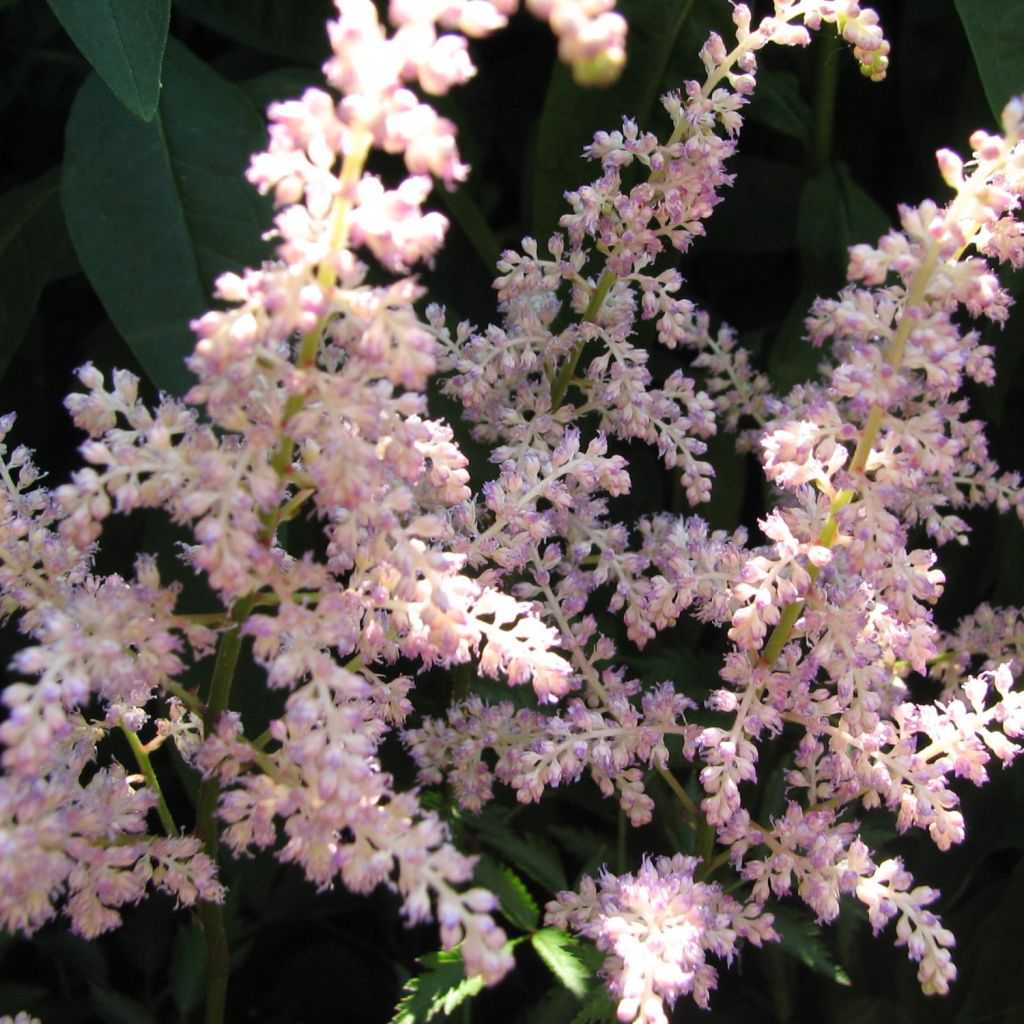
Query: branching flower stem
<point>152,782</point>
<point>211,914</point>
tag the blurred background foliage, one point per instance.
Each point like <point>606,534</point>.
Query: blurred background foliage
<point>122,197</point>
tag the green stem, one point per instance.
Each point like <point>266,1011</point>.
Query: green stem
<point>565,374</point>
<point>825,99</point>
<point>218,961</point>
<point>146,767</point>
<point>211,914</point>
<point>692,810</point>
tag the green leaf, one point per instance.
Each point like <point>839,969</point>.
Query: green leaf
<point>801,938</point>
<point>995,30</point>
<point>187,974</point>
<point>157,210</point>
<point>993,958</point>
<point>465,212</point>
<point>272,86</point>
<point>516,902</point>
<point>597,1008</point>
<point>532,855</point>
<point>115,1008</point>
<point>779,104</point>
<point>34,250</point>
<point>124,41</point>
<point>562,954</point>
<point>439,989</point>
<point>295,31</point>
<point>834,213</point>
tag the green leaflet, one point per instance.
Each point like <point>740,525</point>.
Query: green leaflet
<point>564,956</point>
<point>124,41</point>
<point>532,855</point>
<point>801,938</point>
<point>516,902</point>
<point>995,30</point>
<point>157,210</point>
<point>439,989</point>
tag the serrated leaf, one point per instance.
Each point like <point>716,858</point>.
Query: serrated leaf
<point>801,938</point>
<point>124,41</point>
<point>562,954</point>
<point>533,856</point>
<point>439,989</point>
<point>516,902</point>
<point>597,1008</point>
<point>995,30</point>
<point>157,210</point>
<point>34,250</point>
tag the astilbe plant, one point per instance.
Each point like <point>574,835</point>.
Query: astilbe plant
<point>310,403</point>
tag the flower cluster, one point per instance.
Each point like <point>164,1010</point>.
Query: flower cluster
<point>832,609</point>
<point>310,382</point>
<point>310,402</point>
<point>659,925</point>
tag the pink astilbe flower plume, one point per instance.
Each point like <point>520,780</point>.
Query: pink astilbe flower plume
<point>309,400</point>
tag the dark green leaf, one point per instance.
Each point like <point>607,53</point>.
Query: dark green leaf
<point>294,31</point>
<point>465,212</point>
<point>280,83</point>
<point>778,104</point>
<point>73,956</point>
<point>34,250</point>
<point>995,959</point>
<point>532,855</point>
<point>115,1008</point>
<point>156,211</point>
<point>124,41</point>
<point>188,968</point>
<point>591,847</point>
<point>801,938</point>
<point>516,902</point>
<point>439,989</point>
<point>597,1008</point>
<point>561,952</point>
<point>834,213</point>
<point>995,29</point>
